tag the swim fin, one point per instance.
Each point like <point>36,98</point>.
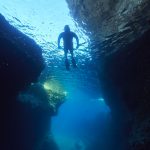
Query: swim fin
<point>74,63</point>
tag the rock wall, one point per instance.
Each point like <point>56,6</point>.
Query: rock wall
<point>23,127</point>
<point>125,84</point>
<point>21,59</point>
<point>112,23</point>
<point>120,35</point>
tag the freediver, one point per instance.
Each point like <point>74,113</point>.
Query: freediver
<point>67,37</point>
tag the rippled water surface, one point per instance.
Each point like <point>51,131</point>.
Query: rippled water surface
<point>43,21</point>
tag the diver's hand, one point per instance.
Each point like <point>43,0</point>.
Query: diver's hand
<point>77,47</point>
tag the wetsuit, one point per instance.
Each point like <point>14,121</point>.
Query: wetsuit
<point>68,41</point>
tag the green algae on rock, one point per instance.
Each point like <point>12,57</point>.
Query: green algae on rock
<point>44,96</point>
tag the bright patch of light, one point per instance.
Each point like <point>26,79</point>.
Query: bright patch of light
<point>43,21</point>
<point>105,106</point>
<point>65,93</point>
<point>54,86</point>
<point>46,86</point>
<point>101,99</point>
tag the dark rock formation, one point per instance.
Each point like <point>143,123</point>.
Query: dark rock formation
<point>125,83</point>
<point>121,35</point>
<point>110,23</point>
<point>22,126</point>
<point>21,59</point>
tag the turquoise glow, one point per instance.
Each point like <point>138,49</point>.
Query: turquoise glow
<point>77,120</point>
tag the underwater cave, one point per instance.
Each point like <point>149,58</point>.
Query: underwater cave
<point>99,103</point>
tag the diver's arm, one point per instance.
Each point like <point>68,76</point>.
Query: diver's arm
<point>59,38</point>
<point>77,39</point>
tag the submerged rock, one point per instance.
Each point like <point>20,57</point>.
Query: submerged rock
<point>21,62</point>
<point>125,84</point>
<point>39,97</point>
<point>111,24</point>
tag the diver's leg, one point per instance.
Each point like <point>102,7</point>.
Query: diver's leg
<point>66,60</point>
<point>66,53</point>
<point>67,64</point>
<point>73,60</point>
<point>72,55</point>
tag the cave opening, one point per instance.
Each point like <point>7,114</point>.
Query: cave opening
<point>84,117</point>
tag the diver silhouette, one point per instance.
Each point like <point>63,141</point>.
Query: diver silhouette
<point>67,37</point>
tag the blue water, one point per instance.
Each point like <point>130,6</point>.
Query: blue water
<point>85,113</point>
<point>77,120</point>
<point>42,21</point>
